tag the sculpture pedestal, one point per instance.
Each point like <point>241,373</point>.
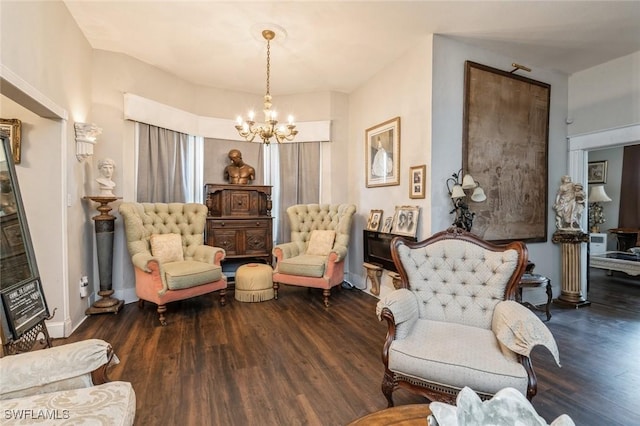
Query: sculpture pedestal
<point>104,227</point>
<point>571,294</point>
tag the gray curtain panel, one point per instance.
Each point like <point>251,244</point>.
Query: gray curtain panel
<point>299,181</point>
<point>161,165</point>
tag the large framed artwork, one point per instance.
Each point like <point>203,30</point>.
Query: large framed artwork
<point>382,154</point>
<point>505,148</point>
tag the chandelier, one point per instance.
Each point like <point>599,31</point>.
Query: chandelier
<point>248,129</point>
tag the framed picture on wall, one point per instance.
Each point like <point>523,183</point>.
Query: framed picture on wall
<point>416,181</point>
<point>382,154</point>
<point>597,172</point>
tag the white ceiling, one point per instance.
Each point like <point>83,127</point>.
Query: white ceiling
<point>338,45</point>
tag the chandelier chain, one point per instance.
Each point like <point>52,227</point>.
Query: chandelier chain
<point>249,129</point>
<point>268,64</point>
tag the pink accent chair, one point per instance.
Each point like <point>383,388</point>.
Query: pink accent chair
<point>161,279</point>
<point>297,263</point>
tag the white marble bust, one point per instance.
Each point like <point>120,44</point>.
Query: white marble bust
<point>106,168</point>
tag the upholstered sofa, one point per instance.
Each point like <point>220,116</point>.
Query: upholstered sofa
<point>171,261</point>
<point>319,244</point>
<point>64,384</point>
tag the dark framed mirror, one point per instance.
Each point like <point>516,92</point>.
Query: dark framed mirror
<point>22,300</point>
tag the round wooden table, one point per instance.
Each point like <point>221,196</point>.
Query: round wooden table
<point>404,415</point>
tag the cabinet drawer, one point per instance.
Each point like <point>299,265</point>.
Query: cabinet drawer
<point>239,224</point>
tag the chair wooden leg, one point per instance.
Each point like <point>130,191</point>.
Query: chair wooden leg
<point>223,297</point>
<point>140,303</point>
<point>325,294</point>
<point>275,290</point>
<point>161,310</point>
<point>388,385</point>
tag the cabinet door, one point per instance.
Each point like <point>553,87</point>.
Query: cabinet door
<point>241,237</point>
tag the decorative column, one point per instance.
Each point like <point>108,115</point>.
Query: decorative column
<point>104,227</point>
<point>571,242</point>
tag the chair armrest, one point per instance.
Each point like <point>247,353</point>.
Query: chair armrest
<point>520,330</point>
<point>40,368</point>
<point>403,306</point>
<point>340,251</point>
<point>287,250</point>
<point>209,254</point>
<point>142,259</point>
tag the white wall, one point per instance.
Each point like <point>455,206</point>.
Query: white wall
<point>401,89</point>
<point>448,97</point>
<point>611,210</point>
<point>56,65</point>
<point>605,96</point>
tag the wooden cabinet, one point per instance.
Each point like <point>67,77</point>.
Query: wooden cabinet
<point>239,220</point>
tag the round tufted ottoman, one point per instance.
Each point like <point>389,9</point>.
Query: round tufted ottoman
<point>254,283</point>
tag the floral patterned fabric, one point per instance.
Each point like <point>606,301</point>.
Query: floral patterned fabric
<point>110,404</point>
<point>54,387</point>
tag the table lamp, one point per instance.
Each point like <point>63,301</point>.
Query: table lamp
<point>597,195</point>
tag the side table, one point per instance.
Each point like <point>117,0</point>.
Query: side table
<point>535,281</point>
<point>406,415</point>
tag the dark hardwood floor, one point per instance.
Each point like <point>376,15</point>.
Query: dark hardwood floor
<point>293,362</point>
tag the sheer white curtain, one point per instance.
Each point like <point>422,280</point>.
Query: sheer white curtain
<point>169,165</point>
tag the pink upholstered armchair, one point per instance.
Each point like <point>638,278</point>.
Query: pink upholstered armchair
<point>171,262</point>
<point>319,242</point>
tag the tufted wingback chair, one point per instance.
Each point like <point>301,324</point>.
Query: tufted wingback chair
<point>174,269</point>
<point>453,323</point>
<point>299,262</point>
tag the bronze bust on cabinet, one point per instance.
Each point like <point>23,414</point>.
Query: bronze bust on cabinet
<point>238,172</point>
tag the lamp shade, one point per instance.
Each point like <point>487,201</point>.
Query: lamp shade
<point>478,195</point>
<point>457,192</point>
<point>597,195</point>
<point>468,182</point>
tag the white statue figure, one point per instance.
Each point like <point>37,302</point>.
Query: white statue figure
<point>569,205</point>
<point>106,168</point>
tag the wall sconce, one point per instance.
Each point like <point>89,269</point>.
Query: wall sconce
<point>597,195</point>
<point>86,137</point>
<point>458,193</point>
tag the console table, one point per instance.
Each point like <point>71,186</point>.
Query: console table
<point>239,220</point>
<point>616,261</point>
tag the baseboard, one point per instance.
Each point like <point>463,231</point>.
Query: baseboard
<point>59,329</point>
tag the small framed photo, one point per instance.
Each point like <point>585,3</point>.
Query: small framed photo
<point>11,128</point>
<point>405,220</point>
<point>388,223</point>
<point>597,172</point>
<point>416,181</point>
<point>382,154</point>
<point>375,219</point>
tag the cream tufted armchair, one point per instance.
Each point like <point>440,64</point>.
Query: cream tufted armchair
<point>170,260</point>
<point>453,324</point>
<point>319,241</point>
